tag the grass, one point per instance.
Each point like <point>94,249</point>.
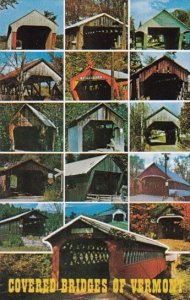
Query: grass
<point>122,225</point>
<point>23,248</point>
<point>176,245</point>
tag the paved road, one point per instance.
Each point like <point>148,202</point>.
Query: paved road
<point>23,199</point>
<point>150,198</point>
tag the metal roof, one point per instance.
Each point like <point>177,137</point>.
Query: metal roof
<point>117,74</point>
<point>82,166</point>
<point>84,21</point>
<point>172,175</point>
<point>110,230</point>
<point>20,216</point>
<point>44,119</point>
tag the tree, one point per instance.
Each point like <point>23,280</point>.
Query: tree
<point>149,59</point>
<point>185,118</point>
<point>5,3</point>
<point>182,166</point>
<point>182,15</point>
<point>50,15</point>
<point>136,165</point>
<point>171,55</point>
<point>136,62</point>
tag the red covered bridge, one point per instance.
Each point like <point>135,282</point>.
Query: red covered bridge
<point>87,248</point>
<point>95,84</point>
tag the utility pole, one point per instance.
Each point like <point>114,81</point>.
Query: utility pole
<point>166,158</point>
<point>124,31</point>
<point>112,76</point>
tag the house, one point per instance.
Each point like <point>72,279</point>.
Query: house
<point>163,79</point>
<point>28,223</point>
<point>32,31</point>
<point>95,176</point>
<point>160,181</point>
<point>99,129</point>
<point>31,130</point>
<point>95,84</point>
<point>27,177</point>
<point>163,31</point>
<point>38,79</point>
<point>165,121</point>
<point>101,31</point>
<point>103,251</point>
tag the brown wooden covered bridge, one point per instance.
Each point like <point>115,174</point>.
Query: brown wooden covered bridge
<point>95,176</point>
<point>164,79</point>
<point>28,177</point>
<point>95,84</point>
<point>36,80</point>
<point>32,31</point>
<point>162,120</point>
<point>163,31</point>
<point>31,130</point>
<point>27,223</point>
<point>98,32</point>
<point>158,180</point>
<point>87,248</point>
<point>99,129</point>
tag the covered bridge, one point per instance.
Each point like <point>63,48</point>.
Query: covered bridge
<point>31,130</point>
<point>169,220</point>
<point>28,177</point>
<point>36,80</point>
<point>95,84</point>
<point>100,128</point>
<point>98,32</point>
<point>165,121</point>
<point>27,223</point>
<point>32,31</point>
<point>87,248</point>
<point>99,175</point>
<point>164,79</point>
<point>163,31</point>
<point>111,215</point>
<point>158,180</point>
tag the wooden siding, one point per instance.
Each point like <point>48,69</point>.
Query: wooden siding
<point>163,116</point>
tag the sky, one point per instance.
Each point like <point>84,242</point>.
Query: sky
<point>41,206</point>
<point>149,158</point>
<point>143,10</point>
<point>30,56</point>
<point>174,107</point>
<point>25,6</point>
<point>182,58</point>
<point>86,208</point>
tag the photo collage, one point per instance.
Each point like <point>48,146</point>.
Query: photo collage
<point>95,149</point>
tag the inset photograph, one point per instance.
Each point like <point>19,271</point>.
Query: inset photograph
<point>161,177</point>
<point>100,178</point>
<point>112,214</point>
<point>166,223</point>
<point>31,76</point>
<point>31,127</point>
<point>31,178</point>
<point>96,128</point>
<point>160,76</point>
<point>96,25</point>
<point>23,226</point>
<point>160,24</point>
<point>96,76</point>
<point>34,25</point>
<point>157,128</point>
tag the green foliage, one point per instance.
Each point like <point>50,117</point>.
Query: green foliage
<point>50,15</point>
<point>76,63</point>
<point>24,266</point>
<point>183,16</point>
<point>59,41</point>
<point>14,240</point>
<point>53,192</point>
<point>77,9</point>
<point>5,3</point>
<point>184,118</point>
